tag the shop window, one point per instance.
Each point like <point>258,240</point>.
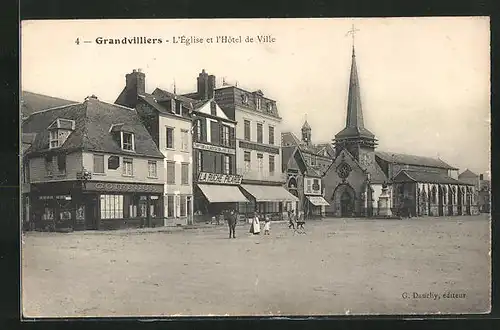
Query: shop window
<point>132,208</point>
<point>183,206</point>
<point>48,214</point>
<point>170,172</point>
<point>152,169</point>
<point>247,130</point>
<point>80,215</point>
<point>128,141</point>
<point>128,167</point>
<point>185,173</point>
<point>170,206</point>
<point>260,138</point>
<point>271,135</point>
<point>111,206</point>
<point>184,140</point>
<point>271,164</point>
<point>170,138</point>
<point>99,164</point>
<point>113,162</point>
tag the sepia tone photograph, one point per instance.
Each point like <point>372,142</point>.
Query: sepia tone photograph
<point>255,167</point>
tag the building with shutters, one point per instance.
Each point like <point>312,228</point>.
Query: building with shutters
<point>258,144</point>
<point>91,165</point>
<point>305,164</point>
<point>167,117</point>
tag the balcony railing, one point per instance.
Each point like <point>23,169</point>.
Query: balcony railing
<point>254,174</point>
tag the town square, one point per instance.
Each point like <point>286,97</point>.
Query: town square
<point>256,177</point>
<point>338,267</point>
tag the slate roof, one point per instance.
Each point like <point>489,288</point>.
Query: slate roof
<point>190,103</point>
<point>290,139</point>
<point>33,102</point>
<point>468,174</point>
<point>426,177</point>
<point>413,160</point>
<point>93,121</point>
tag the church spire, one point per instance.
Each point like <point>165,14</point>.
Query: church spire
<point>354,110</point>
<point>354,136</point>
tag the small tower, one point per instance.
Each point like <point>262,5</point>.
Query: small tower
<point>306,133</point>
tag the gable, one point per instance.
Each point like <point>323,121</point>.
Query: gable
<point>344,157</point>
<point>207,109</point>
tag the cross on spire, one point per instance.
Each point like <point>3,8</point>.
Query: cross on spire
<point>352,32</point>
<point>175,88</point>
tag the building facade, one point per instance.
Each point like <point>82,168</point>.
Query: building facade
<point>416,185</point>
<point>92,165</point>
<point>258,150</point>
<point>168,119</point>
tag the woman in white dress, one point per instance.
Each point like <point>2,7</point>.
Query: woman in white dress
<point>255,227</point>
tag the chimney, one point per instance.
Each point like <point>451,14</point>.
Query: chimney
<point>135,85</point>
<point>206,85</point>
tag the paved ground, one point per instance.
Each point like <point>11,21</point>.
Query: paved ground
<point>338,267</point>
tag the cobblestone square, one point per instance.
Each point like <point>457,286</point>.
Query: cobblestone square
<point>340,266</point>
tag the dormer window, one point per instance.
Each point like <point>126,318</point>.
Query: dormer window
<point>54,141</point>
<point>269,107</point>
<point>244,99</point>
<point>127,141</point>
<point>59,131</point>
<point>259,103</point>
<point>178,108</point>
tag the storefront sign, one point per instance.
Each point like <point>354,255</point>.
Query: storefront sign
<point>259,147</point>
<point>219,178</point>
<point>124,187</point>
<point>312,186</point>
<point>214,148</point>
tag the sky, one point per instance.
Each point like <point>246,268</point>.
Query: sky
<point>425,82</point>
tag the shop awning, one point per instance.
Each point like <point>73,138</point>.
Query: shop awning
<point>222,194</point>
<point>317,200</point>
<point>269,193</point>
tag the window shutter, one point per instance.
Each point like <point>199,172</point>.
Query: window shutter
<point>232,141</point>
<point>61,162</point>
<point>203,125</point>
<point>214,130</point>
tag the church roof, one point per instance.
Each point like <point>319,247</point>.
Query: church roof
<point>468,174</point>
<point>33,102</point>
<point>354,126</point>
<point>413,160</point>
<point>426,177</point>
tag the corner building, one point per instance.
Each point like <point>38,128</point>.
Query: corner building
<point>258,144</point>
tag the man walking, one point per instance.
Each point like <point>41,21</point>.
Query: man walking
<point>231,222</point>
<point>290,220</point>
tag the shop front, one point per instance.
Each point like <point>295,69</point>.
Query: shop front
<point>268,200</point>
<point>313,201</point>
<point>94,205</point>
<point>216,193</point>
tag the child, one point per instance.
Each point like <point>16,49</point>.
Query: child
<point>267,225</point>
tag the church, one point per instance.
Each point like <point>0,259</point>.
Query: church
<point>359,174</point>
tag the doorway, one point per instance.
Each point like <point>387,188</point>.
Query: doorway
<point>346,204</point>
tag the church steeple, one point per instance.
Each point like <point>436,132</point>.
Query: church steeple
<point>354,135</point>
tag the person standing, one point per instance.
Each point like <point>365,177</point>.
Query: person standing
<point>267,225</point>
<point>231,222</point>
<point>290,219</point>
<point>255,227</point>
